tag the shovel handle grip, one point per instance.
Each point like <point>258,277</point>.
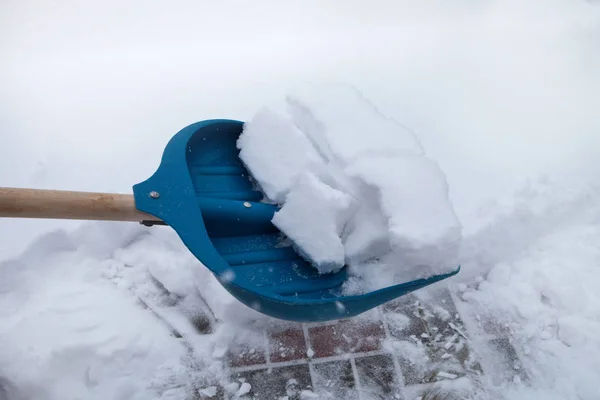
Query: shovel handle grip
<point>60,204</point>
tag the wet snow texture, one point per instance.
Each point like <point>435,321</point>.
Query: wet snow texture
<point>114,311</point>
<point>333,147</point>
<point>92,310</point>
<point>540,292</point>
<point>498,92</point>
<point>313,217</point>
<point>130,310</point>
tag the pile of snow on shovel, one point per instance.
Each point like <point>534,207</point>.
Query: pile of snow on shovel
<point>355,187</point>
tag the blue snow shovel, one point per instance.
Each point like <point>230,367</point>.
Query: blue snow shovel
<point>203,191</point>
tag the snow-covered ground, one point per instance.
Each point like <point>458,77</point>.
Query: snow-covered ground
<point>503,94</point>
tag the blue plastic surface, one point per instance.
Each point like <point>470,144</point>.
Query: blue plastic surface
<point>206,195</point>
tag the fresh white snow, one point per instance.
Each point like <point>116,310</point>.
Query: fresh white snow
<point>422,226</point>
<point>277,152</point>
<point>345,125</point>
<point>313,216</point>
<point>543,288</point>
<point>86,338</point>
<point>372,193</point>
<point>502,95</point>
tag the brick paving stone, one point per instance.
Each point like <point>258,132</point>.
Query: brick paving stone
<point>508,360</point>
<point>287,344</point>
<point>364,335</point>
<point>431,340</point>
<point>426,338</point>
<point>220,395</point>
<point>325,341</point>
<point>335,379</point>
<point>346,337</point>
<point>404,323</point>
<point>413,368</point>
<point>491,326</point>
<point>377,377</point>
<point>276,382</point>
<point>242,355</point>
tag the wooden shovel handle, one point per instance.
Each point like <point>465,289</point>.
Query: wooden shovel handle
<point>59,204</point>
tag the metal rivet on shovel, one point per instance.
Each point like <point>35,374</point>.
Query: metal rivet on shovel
<point>247,204</point>
<point>154,194</point>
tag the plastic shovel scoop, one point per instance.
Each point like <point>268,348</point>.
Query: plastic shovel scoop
<point>203,191</point>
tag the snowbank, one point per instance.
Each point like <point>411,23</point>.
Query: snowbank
<point>354,186</point>
<point>86,339</point>
<point>107,312</point>
<point>538,262</point>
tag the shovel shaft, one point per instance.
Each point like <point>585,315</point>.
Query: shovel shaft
<point>59,204</point>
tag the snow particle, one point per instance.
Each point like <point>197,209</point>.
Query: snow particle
<point>244,389</point>
<point>228,275</point>
<point>209,391</point>
<point>232,387</point>
<point>219,352</point>
<point>446,375</point>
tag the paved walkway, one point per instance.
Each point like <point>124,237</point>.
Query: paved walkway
<point>416,347</point>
